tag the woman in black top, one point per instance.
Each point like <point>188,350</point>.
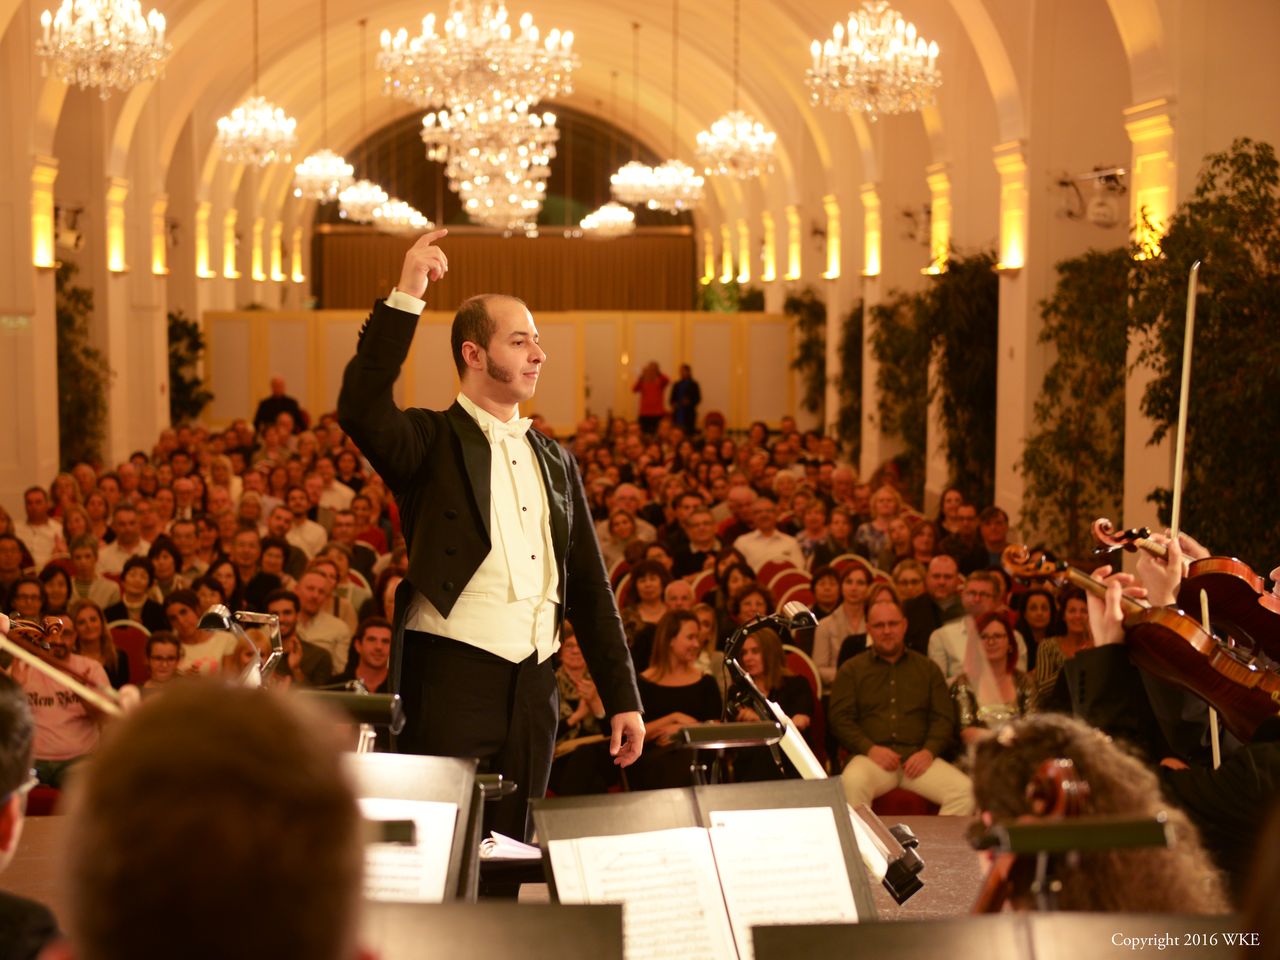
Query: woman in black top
<point>135,603</point>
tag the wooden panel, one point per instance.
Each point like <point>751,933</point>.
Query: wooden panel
<point>601,364</point>
<point>709,351</point>
<point>560,385</point>
<point>227,368</point>
<point>768,347</point>
<point>434,382</point>
<point>288,349</point>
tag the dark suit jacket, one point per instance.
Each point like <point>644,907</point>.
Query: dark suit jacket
<point>437,464</point>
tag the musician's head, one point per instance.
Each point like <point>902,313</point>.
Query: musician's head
<point>495,348</point>
<point>247,846</point>
<point>1174,880</point>
<point>17,741</point>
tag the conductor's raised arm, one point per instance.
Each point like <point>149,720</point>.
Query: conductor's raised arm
<point>394,441</point>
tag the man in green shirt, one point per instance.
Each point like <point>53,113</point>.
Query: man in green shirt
<point>891,710</point>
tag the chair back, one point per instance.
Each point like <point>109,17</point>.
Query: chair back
<point>802,665</point>
<point>131,637</point>
<point>703,583</point>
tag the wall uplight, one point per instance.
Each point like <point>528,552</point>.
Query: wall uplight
<point>298,275</point>
<point>793,243</point>
<point>159,238</point>
<point>832,209</point>
<point>726,254</point>
<point>229,245</point>
<point>870,231</point>
<point>277,252</point>
<point>1012,167</point>
<point>769,254</point>
<point>744,252</point>
<point>939,218</point>
<point>256,259</point>
<point>44,171</point>
<point>202,241</point>
<point>117,191</point>
<point>708,257</point>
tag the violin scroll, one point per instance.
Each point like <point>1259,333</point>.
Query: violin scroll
<point>1019,562</point>
<point>1105,533</point>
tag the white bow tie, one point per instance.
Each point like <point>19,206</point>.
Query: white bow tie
<point>497,431</point>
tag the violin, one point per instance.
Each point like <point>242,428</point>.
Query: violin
<point>1172,646</point>
<point>1239,601</point>
<point>1055,792</point>
<point>27,640</point>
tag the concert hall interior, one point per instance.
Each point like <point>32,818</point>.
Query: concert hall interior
<point>875,307</point>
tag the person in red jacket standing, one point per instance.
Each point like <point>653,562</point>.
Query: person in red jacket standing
<point>651,386</point>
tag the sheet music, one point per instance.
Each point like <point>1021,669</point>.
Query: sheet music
<point>409,873</point>
<point>498,846</point>
<point>780,867</point>
<point>667,883</point>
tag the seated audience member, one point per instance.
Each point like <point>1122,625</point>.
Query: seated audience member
<point>619,534</point>
<point>891,710</point>
<point>825,585</point>
<point>127,543</point>
<point>993,528</point>
<point>812,531</point>
<point>872,538</point>
<point>751,601</point>
<point>246,557</point>
<point>86,583</point>
<point>947,644</point>
<point>40,532</point>
<point>166,561</point>
<point>990,690</point>
<point>25,926</point>
<point>839,539</point>
<point>93,640</point>
<point>316,625</point>
<point>698,551</point>
<point>1177,879</point>
<point>952,500</point>
<point>762,658</point>
<point>1037,620</point>
<point>11,565</point>
<point>710,660</point>
<point>67,728</point>
<point>362,556</point>
<point>675,694</point>
<point>678,595</point>
<point>336,603</point>
<point>186,537</point>
<point>1052,692</point>
<point>898,548</point>
<point>276,815</point>
<point>135,602</point>
<point>924,539</point>
<point>275,559</point>
<point>348,595</point>
<point>203,651</point>
<point>940,603</point>
<point>57,590</point>
<point>371,647</point>
<point>26,599</point>
<point>163,654</point>
<point>766,543</point>
<point>844,633</point>
<point>303,663</point>
<point>908,577</point>
<point>965,545</point>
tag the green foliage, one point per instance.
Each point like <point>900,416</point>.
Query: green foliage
<point>849,386</point>
<point>960,313</point>
<point>717,297</point>
<point>809,312</point>
<point>751,300</point>
<point>1232,224</point>
<point>83,375</point>
<point>902,348</point>
<point>1074,461</point>
<point>187,395</point>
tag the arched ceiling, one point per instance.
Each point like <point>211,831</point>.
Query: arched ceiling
<point>211,70</point>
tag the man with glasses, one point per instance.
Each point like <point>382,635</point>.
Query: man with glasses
<point>891,710</point>
<point>25,926</point>
<point>982,593</point>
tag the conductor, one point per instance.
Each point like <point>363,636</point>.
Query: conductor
<point>500,539</point>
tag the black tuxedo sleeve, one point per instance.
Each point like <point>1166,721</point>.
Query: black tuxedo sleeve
<point>590,606</point>
<point>393,440</point>
<point>1107,693</point>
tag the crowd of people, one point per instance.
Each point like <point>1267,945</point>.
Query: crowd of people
<point>925,650</point>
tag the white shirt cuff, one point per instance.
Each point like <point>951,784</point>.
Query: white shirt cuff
<point>402,301</point>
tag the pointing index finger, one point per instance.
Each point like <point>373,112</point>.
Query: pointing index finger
<point>432,237</point>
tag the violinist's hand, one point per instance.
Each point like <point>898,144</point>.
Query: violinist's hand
<point>1162,576</point>
<point>1191,548</point>
<point>424,262</point>
<point>1106,617</point>
<point>128,696</point>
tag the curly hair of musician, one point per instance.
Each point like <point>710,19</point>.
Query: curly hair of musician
<point>1179,879</point>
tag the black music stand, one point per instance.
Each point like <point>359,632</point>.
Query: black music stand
<point>493,930</point>
<point>444,779</point>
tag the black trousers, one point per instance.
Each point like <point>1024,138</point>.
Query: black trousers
<point>461,701</point>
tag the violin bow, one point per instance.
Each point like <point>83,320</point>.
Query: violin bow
<point>99,699</point>
<point>1179,458</point>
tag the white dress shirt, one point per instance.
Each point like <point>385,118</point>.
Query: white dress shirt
<point>40,539</point>
<point>509,606</point>
<point>760,549</point>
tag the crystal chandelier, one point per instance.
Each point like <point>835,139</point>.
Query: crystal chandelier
<point>106,44</point>
<point>359,200</point>
<point>736,144</point>
<point>324,174</point>
<point>477,58</point>
<point>876,64</point>
<point>257,132</point>
<point>633,183</point>
<point>675,186</point>
<point>502,204</point>
<point>608,221</point>
<point>397,217</point>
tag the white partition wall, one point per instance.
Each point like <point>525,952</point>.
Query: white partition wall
<point>741,361</point>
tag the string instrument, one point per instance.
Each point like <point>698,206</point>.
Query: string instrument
<point>1055,792</point>
<point>1239,601</point>
<point>27,640</point>
<point>1172,646</point>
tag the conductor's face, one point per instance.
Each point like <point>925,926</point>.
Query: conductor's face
<point>513,360</point>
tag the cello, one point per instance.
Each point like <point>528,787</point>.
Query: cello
<point>1172,646</point>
